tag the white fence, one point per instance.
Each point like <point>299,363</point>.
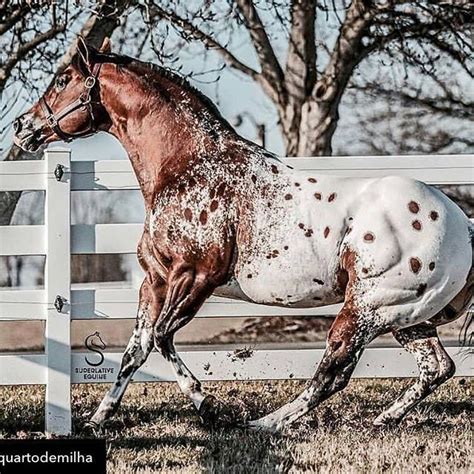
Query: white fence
<point>58,366</point>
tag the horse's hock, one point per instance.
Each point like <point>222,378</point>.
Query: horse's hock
<point>97,306</point>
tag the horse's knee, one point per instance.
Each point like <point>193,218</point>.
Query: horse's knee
<point>162,340</point>
<point>131,361</point>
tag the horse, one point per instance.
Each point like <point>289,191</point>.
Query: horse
<point>226,217</point>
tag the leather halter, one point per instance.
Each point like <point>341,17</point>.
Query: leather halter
<point>83,101</point>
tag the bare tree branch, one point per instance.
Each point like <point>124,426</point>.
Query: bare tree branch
<point>271,70</point>
<point>25,49</point>
<point>156,11</point>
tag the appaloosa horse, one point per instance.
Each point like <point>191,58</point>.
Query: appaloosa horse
<point>224,216</point>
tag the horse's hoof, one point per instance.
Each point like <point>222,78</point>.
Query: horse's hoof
<point>209,410</point>
<point>384,421</point>
<point>257,425</point>
<point>97,429</point>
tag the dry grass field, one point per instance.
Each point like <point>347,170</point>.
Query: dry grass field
<point>157,430</point>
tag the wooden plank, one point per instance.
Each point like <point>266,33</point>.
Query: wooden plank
<point>22,369</point>
<point>58,283</point>
<point>103,174</point>
<point>120,303</point>
<point>22,240</point>
<point>435,169</point>
<point>22,305</point>
<point>376,162</point>
<point>105,238</point>
<point>264,364</point>
<point>22,175</point>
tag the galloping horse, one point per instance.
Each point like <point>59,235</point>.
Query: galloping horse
<point>225,216</point>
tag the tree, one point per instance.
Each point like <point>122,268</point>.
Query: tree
<point>307,88</point>
<point>28,34</point>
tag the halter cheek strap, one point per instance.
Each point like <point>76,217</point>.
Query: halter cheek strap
<point>83,101</point>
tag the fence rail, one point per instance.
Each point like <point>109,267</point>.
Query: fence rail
<point>57,239</point>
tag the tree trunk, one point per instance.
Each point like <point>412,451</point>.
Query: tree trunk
<point>308,130</point>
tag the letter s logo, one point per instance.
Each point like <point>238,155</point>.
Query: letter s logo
<point>95,344</point>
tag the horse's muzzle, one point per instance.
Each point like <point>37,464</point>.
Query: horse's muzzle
<point>25,135</point>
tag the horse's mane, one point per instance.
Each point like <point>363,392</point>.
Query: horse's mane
<point>138,66</point>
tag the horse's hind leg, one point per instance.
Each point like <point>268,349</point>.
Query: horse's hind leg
<point>433,362</point>
<point>137,351</point>
<point>347,338</point>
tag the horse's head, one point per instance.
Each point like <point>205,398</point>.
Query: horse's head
<point>70,108</point>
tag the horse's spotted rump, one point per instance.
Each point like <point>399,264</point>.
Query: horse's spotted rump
<point>331,197</point>
<point>434,215</point>
<point>414,207</point>
<point>318,196</point>
<point>253,178</point>
<point>285,247</point>
<point>312,180</point>
<point>188,214</point>
<point>432,266</point>
<point>301,225</point>
<point>203,217</point>
<point>274,169</point>
<point>365,270</point>
<point>415,264</point>
<point>326,232</point>
<point>297,185</point>
<point>318,281</point>
<point>249,275</point>
<point>214,205</point>
<point>288,196</point>
<point>369,237</point>
<point>308,233</point>
<point>416,224</point>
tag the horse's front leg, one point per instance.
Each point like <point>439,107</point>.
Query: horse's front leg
<point>346,340</point>
<point>137,351</point>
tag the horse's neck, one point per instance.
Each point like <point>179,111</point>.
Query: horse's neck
<point>160,141</point>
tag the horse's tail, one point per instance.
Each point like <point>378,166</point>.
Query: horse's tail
<point>467,333</point>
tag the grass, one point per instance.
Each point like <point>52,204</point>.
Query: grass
<point>157,430</point>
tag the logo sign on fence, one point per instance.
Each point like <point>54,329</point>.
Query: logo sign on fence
<point>94,367</point>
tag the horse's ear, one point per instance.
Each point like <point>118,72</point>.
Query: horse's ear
<point>83,57</point>
<point>106,46</point>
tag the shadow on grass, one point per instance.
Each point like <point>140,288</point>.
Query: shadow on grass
<point>14,420</point>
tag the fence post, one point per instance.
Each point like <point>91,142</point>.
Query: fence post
<point>58,289</point>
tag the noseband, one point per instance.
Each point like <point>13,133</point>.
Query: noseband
<point>83,101</point>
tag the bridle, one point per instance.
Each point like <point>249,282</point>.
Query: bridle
<point>83,101</point>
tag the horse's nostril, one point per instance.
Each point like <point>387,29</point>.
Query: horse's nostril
<point>17,125</point>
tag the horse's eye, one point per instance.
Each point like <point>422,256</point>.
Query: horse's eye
<point>61,82</point>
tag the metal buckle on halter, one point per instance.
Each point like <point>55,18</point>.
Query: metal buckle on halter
<point>51,121</point>
<point>89,83</point>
